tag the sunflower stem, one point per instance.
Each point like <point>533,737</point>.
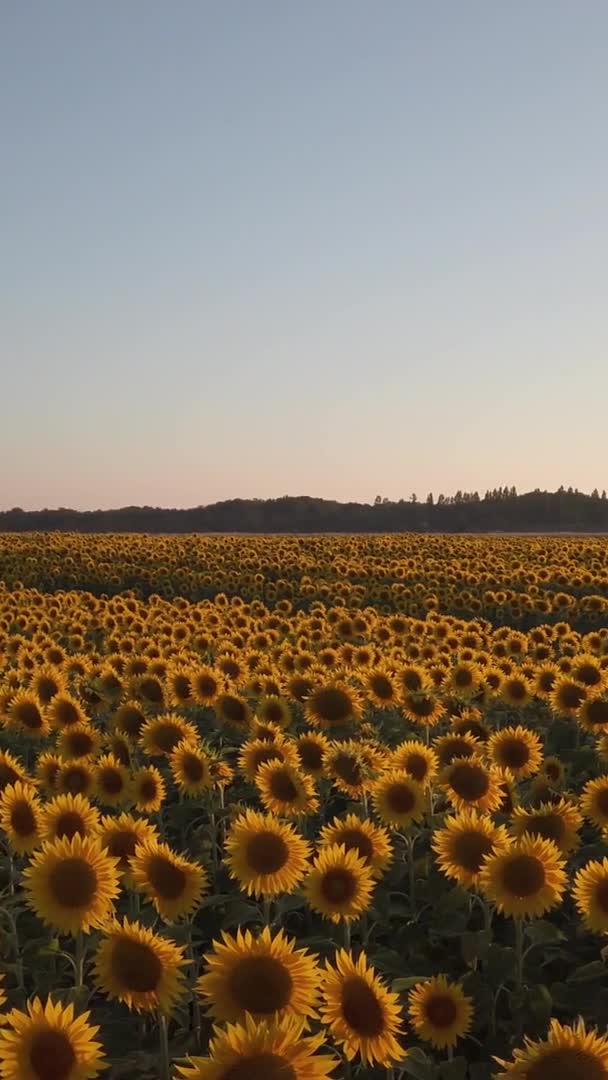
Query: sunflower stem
<point>80,952</point>
<point>163,1032</point>
<point>267,911</point>
<point>519,953</point>
<point>411,868</point>
<point>346,930</point>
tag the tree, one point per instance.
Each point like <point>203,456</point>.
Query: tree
<point>414,497</point>
<point>429,499</point>
<point>378,500</point>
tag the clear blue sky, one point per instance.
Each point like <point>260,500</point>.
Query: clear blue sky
<point>335,247</point>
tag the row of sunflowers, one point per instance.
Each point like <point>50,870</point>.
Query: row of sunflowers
<point>246,840</point>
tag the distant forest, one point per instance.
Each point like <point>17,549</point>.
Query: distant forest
<point>501,510</point>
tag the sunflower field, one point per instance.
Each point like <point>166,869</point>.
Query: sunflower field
<point>286,808</point>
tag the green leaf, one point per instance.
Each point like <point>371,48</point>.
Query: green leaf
<point>474,945</point>
<point>399,985</point>
<point>588,972</point>
<point>456,1069</point>
<point>418,1065</point>
<point>481,1070</point>
<point>500,964</point>
<point>542,932</point>
<point>540,1004</point>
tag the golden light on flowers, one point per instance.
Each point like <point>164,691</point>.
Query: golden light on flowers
<point>451,746</point>
<point>48,765</point>
<point>171,882</point>
<point>71,884</point>
<point>112,781</point>
<point>339,885</point>
<point>312,748</point>
<point>48,1042</point>
<point>20,816</point>
<point>440,1011</point>
<point>160,735</point>
<point>334,704</point>
<point>266,856</point>
<point>74,778</point>
<point>206,685</point>
<point>421,708</point>
<point>352,765</point>
<point>568,1053</point>
<point>416,759</point>
<point>464,842</point>
<point>258,752</point>
<point>593,714</point>
<point>121,836</point>
<point>148,789</point>
<point>191,768</point>
<point>11,769</point>
<point>590,892</point>
<point>140,968</point>
<point>66,711</point>
<point>517,749</point>
<point>398,799</point>
<point>468,784</point>
<point>26,714</point>
<point>68,815</point>
<point>261,1050</point>
<point>78,741</point>
<point>362,1014</point>
<point>567,696</point>
<point>527,879</point>
<point>381,687</point>
<point>371,842</point>
<point>285,790</point>
<point>263,976</point>
<point>594,801</point>
<point>559,821</point>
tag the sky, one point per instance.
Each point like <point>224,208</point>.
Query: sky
<point>334,248</point>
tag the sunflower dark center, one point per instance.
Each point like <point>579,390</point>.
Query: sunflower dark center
<point>523,875</point>
<point>311,755</point>
<point>148,789</point>
<point>416,765</point>
<point>470,782</point>
<point>23,818</point>
<point>260,984</point>
<point>338,885</point>
<point>130,721</point>
<point>75,780</point>
<point>356,840</point>
<point>601,895</point>
<point>206,686</point>
<point>601,801</point>
<point>400,798</point>
<point>267,853</point>
<point>347,768</point>
<point>152,691</point>
<point>273,712</point>
<point>66,713</point>
<point>332,705</point>
<point>181,687</point>
<point>166,737</point>
<point>567,1063</point>
<point>441,1010</point>
<point>549,826</point>
<point>80,743</point>
<point>234,710</point>
<point>382,687</point>
<point>516,690</point>
<point>469,850</point>
<point>261,1067</point>
<point>588,674</point>
<point>597,713</point>
<point>361,1008</point>
<point>282,786</point>
<point>552,770</point>
<point>73,882</point>
<point>454,748</point>
<point>570,696</point>
<point>166,878</point>
<point>266,753</point>
<point>28,714</point>
<point>7,775</point>
<point>135,966</point>
<point>51,1055</point>
<point>69,824</point>
<point>111,781</point>
<point>411,680</point>
<point>192,768</point>
<point>513,753</point>
<point>122,846</point>
<point>463,677</point>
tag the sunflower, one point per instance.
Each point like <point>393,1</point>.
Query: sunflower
<point>48,1043</point>
<point>470,723</point>
<point>590,892</point>
<point>139,967</point>
<point>516,690</point>
<point>463,843</point>
<point>47,768</point>
<point>527,879</point>
<point>593,714</point>
<point>398,799</point>
<point>333,704</point>
<point>362,1014</point>
<point>74,778</point>
<point>68,816</point>
<point>464,679</point>
<point>274,709</point>
<point>553,771</point>
<point>78,741</point>
<point>112,781</point>
<point>440,1011</point>
<point>71,884</point>
<point>129,719</point>
<point>262,976</point>
<point>469,784</point>
<point>559,822</point>
<point>594,801</point>
<point>266,856</point>
<point>173,884</point>
<point>148,789</point>
<point>567,696</point>
<point>206,684</point>
<point>162,734</point>
<point>352,766</point>
<point>339,885</point>
<point>66,711</point>
<point>178,686</point>
<point>451,746</point>
<point>258,752</point>
<point>312,748</point>
<point>568,1053</point>
<point>517,749</point>
<point>121,835</point>
<point>371,842</point>
<point>11,769</point>
<point>20,816</point>
<point>422,708</point>
<point>286,791</point>
<point>416,759</point>
<point>191,768</point>
<point>232,710</point>
<point>27,715</point>
<point>261,1050</point>
<point>381,687</point>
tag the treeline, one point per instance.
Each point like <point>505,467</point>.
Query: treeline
<point>503,510</point>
